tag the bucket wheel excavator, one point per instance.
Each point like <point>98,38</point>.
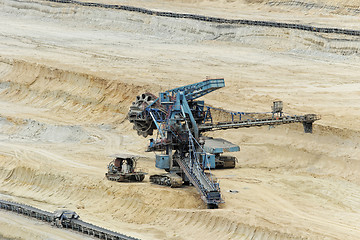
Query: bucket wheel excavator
<point>181,149</point>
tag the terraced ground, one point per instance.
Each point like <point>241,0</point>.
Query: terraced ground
<point>68,75</point>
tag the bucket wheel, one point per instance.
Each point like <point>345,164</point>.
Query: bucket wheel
<point>137,115</point>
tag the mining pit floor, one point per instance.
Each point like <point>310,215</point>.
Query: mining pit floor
<point>69,73</point>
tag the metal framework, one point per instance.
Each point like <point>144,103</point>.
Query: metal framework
<point>180,119</point>
<point>63,219</point>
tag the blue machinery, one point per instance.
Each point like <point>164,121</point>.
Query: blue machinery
<point>180,120</point>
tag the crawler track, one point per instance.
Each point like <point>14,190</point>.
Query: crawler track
<point>74,224</point>
<point>301,27</point>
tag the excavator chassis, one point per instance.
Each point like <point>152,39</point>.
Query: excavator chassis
<point>169,179</point>
<point>225,162</point>
<point>128,177</point>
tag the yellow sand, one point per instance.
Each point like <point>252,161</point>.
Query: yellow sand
<point>69,74</point>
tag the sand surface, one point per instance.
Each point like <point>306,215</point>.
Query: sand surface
<point>68,75</point>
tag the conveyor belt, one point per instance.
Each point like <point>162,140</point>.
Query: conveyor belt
<point>307,121</point>
<point>301,27</point>
<point>210,192</point>
<point>74,224</point>
<point>27,210</point>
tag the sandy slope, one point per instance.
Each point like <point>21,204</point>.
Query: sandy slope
<point>68,75</point>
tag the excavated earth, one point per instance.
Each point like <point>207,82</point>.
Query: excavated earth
<point>68,75</point>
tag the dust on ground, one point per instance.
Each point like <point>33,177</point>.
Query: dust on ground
<point>69,74</point>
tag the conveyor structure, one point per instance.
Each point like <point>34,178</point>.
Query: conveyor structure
<point>63,219</point>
